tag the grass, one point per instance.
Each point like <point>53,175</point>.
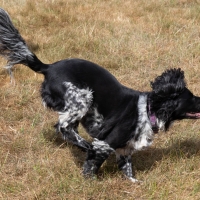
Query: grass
<point>136,41</point>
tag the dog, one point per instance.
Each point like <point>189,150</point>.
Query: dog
<point>119,119</point>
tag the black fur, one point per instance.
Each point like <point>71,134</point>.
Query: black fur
<point>120,119</point>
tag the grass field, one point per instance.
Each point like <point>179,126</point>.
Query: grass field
<point>136,40</point>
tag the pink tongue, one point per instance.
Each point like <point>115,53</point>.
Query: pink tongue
<point>193,114</point>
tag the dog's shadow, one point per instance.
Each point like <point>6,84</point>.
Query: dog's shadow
<point>145,160</point>
<point>142,160</point>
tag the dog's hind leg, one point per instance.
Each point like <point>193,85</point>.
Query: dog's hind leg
<point>100,152</point>
<point>77,104</point>
<point>70,133</point>
<point>68,127</point>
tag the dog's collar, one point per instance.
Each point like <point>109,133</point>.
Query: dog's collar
<point>152,118</point>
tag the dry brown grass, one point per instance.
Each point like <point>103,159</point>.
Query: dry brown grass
<point>136,41</point>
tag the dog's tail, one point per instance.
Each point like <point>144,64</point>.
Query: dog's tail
<point>14,48</point>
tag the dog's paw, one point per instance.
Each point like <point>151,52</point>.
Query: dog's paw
<point>134,180</point>
<point>89,175</point>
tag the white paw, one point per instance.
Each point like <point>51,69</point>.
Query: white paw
<point>134,180</point>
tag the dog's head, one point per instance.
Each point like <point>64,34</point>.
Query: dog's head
<point>171,100</point>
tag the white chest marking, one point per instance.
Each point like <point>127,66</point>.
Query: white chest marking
<point>143,135</point>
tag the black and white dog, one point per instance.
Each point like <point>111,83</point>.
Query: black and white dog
<point>120,119</point>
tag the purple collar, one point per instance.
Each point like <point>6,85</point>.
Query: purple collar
<point>152,118</point>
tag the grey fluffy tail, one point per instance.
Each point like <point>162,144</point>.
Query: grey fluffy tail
<point>14,48</point>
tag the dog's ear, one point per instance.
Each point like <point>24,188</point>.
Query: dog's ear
<point>169,85</point>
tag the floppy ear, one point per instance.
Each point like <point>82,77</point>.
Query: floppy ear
<point>169,85</point>
<point>166,88</point>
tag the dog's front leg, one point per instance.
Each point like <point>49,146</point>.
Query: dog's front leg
<point>100,152</point>
<point>125,165</point>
